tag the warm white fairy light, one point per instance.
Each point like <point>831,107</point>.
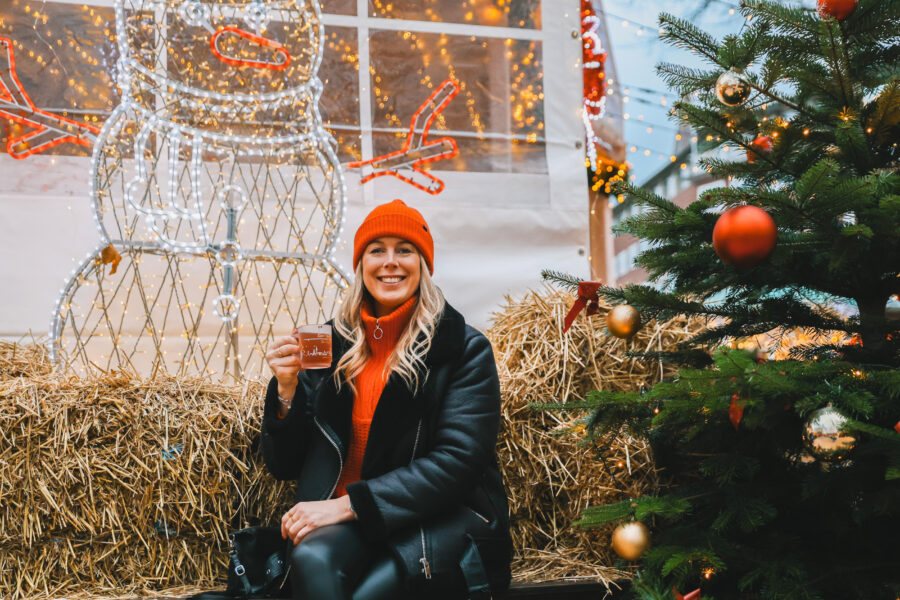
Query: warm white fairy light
<point>143,209</point>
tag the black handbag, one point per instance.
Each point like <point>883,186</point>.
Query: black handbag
<point>259,566</point>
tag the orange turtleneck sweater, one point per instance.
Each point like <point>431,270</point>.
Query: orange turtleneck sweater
<point>370,383</point>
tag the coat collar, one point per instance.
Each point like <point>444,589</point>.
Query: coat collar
<point>397,408</point>
<point>449,337</point>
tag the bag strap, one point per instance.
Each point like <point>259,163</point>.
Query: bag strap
<point>473,571</point>
<point>239,568</point>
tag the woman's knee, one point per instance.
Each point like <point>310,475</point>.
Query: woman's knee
<point>315,554</point>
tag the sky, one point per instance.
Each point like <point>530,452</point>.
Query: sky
<point>637,49</point>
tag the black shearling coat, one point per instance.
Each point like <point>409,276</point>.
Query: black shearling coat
<point>429,473</point>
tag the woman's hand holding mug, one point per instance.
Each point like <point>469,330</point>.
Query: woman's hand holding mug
<point>284,360</point>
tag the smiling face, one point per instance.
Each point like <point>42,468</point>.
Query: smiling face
<point>391,270</point>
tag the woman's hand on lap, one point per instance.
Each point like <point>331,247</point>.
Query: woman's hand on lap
<point>305,517</point>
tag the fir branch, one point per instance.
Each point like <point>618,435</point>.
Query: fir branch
<point>816,179</point>
<point>683,562</point>
<point>745,512</point>
<point>680,32</point>
<point>686,80</point>
<point>563,280</point>
<point>639,509</point>
<point>791,19</point>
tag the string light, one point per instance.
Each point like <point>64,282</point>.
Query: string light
<point>178,128</point>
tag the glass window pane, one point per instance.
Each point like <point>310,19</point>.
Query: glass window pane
<point>338,7</point>
<point>497,119</point>
<point>339,105</point>
<point>65,57</point>
<point>524,14</point>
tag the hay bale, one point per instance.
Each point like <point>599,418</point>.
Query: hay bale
<point>550,478</point>
<point>23,360</point>
<point>114,486</point>
<point>119,484</point>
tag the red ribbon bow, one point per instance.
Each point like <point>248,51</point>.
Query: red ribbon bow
<point>695,595</point>
<point>587,296</point>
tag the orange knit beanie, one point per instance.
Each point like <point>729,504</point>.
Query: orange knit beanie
<point>395,219</point>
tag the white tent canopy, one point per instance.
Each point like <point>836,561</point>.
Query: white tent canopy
<point>515,199</point>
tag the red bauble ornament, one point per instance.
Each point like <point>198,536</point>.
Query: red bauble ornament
<point>839,9</point>
<point>763,144</point>
<point>744,236</point>
<point>897,426</point>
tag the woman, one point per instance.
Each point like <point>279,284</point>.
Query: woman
<point>393,446</point>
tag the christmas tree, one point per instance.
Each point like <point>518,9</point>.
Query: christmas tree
<point>784,475</point>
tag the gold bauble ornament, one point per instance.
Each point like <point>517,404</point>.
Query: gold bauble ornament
<point>631,540</point>
<point>623,321</point>
<point>825,435</point>
<point>732,88</point>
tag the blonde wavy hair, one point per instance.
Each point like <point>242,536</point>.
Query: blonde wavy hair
<point>408,356</point>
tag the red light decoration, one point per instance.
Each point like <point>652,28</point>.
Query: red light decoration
<point>593,59</point>
<point>593,63</point>
<point>406,164</point>
<point>49,129</point>
<point>280,65</point>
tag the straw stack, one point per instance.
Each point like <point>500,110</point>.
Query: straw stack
<point>115,486</point>
<point>551,475</point>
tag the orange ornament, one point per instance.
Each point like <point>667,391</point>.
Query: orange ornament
<point>763,144</point>
<point>744,236</point>
<point>839,9</point>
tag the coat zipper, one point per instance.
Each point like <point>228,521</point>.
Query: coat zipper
<point>340,468</point>
<point>479,515</point>
<point>426,568</point>
<point>340,458</point>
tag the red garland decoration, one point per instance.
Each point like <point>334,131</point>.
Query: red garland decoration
<point>406,164</point>
<point>736,411</point>
<point>695,595</point>
<point>593,59</point>
<point>49,130</point>
<point>587,296</point>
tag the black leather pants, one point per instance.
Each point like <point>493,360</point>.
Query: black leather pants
<point>335,563</point>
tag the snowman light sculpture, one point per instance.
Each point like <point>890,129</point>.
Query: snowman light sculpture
<point>216,185</point>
